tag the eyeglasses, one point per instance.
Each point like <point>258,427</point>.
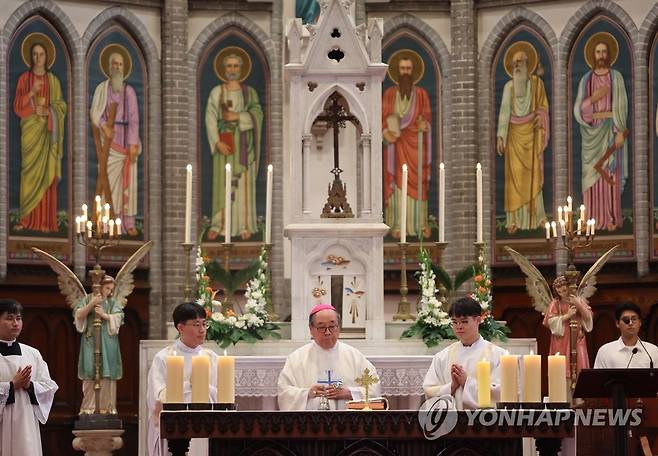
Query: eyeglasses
<point>324,329</point>
<point>198,324</point>
<point>629,320</point>
<point>460,322</point>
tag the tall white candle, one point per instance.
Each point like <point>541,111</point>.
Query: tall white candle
<point>227,205</point>
<point>478,180</point>
<point>188,204</point>
<point>403,205</point>
<point>442,201</point>
<point>268,206</point>
<point>554,228</point>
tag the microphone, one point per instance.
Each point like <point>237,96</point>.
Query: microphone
<point>645,349</point>
<point>635,350</point>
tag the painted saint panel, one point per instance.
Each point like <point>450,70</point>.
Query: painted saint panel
<point>522,146</point>
<point>233,129</point>
<point>411,128</point>
<point>600,137</point>
<point>116,140</point>
<point>39,140</point>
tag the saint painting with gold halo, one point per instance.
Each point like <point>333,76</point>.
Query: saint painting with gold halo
<point>406,111</point>
<point>522,137</point>
<point>40,105</point>
<point>114,115</point>
<point>601,110</point>
<point>234,125</point>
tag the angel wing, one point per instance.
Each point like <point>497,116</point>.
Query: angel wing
<point>68,283</point>
<point>535,283</point>
<point>124,282</point>
<point>587,288</point>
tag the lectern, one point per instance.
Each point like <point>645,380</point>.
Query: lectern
<point>617,384</point>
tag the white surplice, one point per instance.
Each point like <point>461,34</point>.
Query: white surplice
<point>20,421</point>
<point>438,379</point>
<point>310,364</point>
<point>157,392</point>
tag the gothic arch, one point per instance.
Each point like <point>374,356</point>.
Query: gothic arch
<point>506,25</point>
<point>62,23</point>
<point>317,107</point>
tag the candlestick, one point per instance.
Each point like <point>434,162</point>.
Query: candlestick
<point>200,379</point>
<point>478,181</point>
<point>187,289</point>
<point>483,372</point>
<point>557,378</point>
<point>227,205</point>
<point>268,206</point>
<point>188,204</point>
<point>404,311</point>
<point>509,380</point>
<point>403,206</point>
<point>442,200</point>
<point>175,367</point>
<point>532,378</point>
<point>225,379</point>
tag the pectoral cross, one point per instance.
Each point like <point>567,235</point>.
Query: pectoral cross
<point>335,115</point>
<point>366,380</point>
<point>324,402</point>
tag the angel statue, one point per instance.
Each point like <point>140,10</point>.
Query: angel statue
<point>568,304</point>
<point>107,304</point>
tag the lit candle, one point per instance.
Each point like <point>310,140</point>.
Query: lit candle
<point>548,230</point>
<point>483,372</point>
<point>403,205</point>
<point>566,214</point>
<point>77,225</point>
<point>580,223</point>
<point>509,380</point>
<point>200,379</point>
<point>89,226</point>
<point>225,379</point>
<point>554,228</point>
<point>84,212</point>
<point>98,204</point>
<point>478,181</point>
<point>227,205</point>
<point>188,204</point>
<point>588,225</point>
<point>569,203</point>
<point>111,227</point>
<point>442,202</point>
<point>559,213</point>
<point>105,224</point>
<point>557,378</point>
<point>118,226</point>
<point>532,378</point>
<point>563,228</point>
<point>107,210</point>
<point>593,226</point>
<point>268,205</point>
<point>582,211</point>
<point>175,367</point>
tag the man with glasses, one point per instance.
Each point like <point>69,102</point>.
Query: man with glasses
<point>190,322</point>
<point>26,389</point>
<point>323,367</point>
<point>627,351</point>
<point>452,371</point>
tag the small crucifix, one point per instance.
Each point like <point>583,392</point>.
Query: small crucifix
<point>335,115</point>
<point>366,380</point>
<point>331,383</point>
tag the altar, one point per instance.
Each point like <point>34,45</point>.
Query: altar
<point>257,368</point>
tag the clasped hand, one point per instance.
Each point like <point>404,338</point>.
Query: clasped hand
<point>22,378</point>
<point>331,392</point>
<point>458,376</point>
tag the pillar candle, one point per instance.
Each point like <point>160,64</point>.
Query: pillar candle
<point>403,205</point>
<point>225,379</point>
<point>557,378</point>
<point>478,181</point>
<point>532,378</point>
<point>175,368</point>
<point>483,372</point>
<point>200,379</point>
<point>227,205</point>
<point>188,204</point>
<point>268,206</point>
<point>509,379</point>
<point>442,202</point>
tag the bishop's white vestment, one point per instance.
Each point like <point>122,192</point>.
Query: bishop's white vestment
<point>22,410</point>
<point>157,392</point>
<point>311,364</point>
<point>438,379</point>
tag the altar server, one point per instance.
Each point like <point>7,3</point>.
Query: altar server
<point>313,370</point>
<point>628,351</point>
<point>26,389</point>
<point>190,321</point>
<point>453,369</point>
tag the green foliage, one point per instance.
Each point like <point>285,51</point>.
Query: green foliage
<point>231,281</point>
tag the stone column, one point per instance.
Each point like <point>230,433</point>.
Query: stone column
<point>463,155</point>
<point>306,173</point>
<point>367,184</point>
<point>175,152</point>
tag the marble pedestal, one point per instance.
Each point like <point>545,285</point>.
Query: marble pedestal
<point>100,442</point>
